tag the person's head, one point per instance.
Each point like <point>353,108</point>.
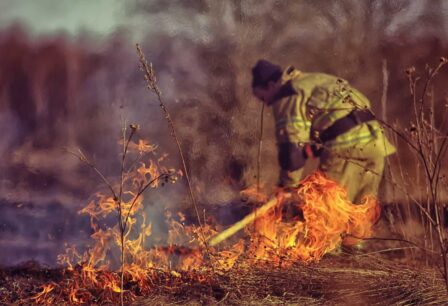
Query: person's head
<point>266,80</point>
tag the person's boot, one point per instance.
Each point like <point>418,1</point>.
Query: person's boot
<point>353,248</point>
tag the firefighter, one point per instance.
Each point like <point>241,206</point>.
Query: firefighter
<point>320,115</point>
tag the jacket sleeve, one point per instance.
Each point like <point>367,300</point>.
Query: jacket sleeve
<point>291,158</point>
<point>291,124</point>
<point>292,132</point>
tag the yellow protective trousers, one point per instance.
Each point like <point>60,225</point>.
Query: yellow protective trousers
<point>358,169</point>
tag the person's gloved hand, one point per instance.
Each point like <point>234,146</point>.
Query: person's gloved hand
<point>290,203</point>
<point>288,193</point>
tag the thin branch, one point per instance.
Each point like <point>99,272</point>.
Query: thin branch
<point>84,159</point>
<point>432,74</point>
<point>440,155</point>
<point>392,239</point>
<point>397,132</point>
<point>151,81</point>
<point>140,193</point>
<point>125,150</point>
<point>395,184</point>
<point>387,250</point>
<point>260,145</point>
<point>120,208</point>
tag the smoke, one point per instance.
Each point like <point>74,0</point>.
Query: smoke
<point>57,93</point>
<point>63,92</point>
<point>10,125</point>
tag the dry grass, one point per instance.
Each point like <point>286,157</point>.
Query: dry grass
<point>337,280</point>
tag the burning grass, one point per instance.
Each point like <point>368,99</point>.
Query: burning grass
<point>280,259</point>
<point>344,279</point>
<point>286,256</point>
<point>186,268</point>
<point>183,271</point>
<point>326,220</point>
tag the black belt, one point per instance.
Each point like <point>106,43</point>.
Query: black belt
<point>345,124</point>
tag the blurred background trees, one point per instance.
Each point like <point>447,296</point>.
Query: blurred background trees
<point>357,40</point>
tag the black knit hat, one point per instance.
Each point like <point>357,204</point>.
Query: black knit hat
<point>265,71</point>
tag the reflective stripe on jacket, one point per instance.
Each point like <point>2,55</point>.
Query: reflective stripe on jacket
<point>316,101</point>
<point>291,123</point>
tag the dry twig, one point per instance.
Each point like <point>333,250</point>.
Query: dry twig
<point>151,82</point>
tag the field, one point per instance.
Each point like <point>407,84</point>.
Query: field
<point>122,163</point>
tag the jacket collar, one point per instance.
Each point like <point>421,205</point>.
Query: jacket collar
<point>287,89</point>
<point>290,73</point>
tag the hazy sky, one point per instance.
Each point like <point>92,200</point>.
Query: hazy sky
<point>44,16</point>
<point>103,17</point>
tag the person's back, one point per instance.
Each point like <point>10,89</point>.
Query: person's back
<point>327,99</point>
<point>342,123</point>
<point>322,111</point>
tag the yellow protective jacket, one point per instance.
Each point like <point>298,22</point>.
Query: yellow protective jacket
<point>308,104</point>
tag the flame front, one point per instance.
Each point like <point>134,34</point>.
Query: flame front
<point>305,224</point>
<point>326,220</point>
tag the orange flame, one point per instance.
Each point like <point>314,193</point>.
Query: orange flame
<point>328,217</point>
<point>42,297</point>
<point>91,268</point>
<point>324,221</point>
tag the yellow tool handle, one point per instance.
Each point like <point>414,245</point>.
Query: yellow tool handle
<point>218,238</point>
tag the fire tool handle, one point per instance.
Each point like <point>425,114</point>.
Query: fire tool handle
<point>218,238</point>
